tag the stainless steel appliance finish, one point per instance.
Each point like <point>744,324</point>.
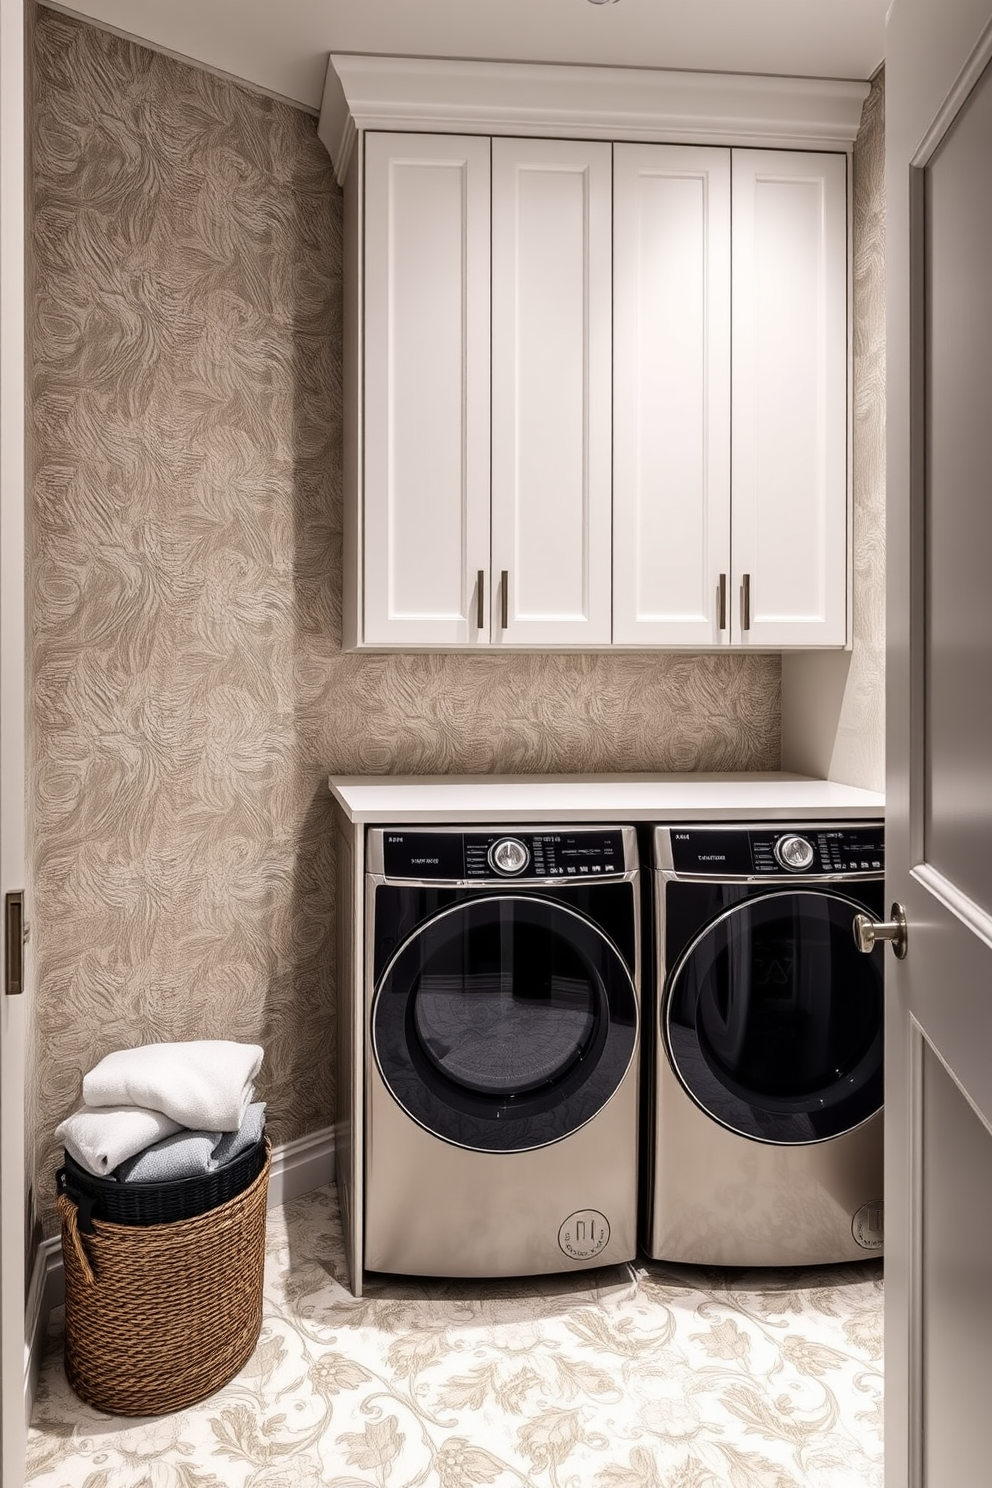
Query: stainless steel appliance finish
<point>764,1135</point>
<point>502,1017</point>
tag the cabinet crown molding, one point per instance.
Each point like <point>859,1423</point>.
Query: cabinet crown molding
<point>437,95</point>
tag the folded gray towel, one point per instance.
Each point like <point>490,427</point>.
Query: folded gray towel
<point>188,1154</point>
<point>232,1144</point>
<point>183,1155</point>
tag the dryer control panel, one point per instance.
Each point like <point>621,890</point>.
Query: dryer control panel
<point>813,851</point>
<point>420,856</point>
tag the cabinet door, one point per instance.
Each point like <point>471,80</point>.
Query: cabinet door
<point>551,429</point>
<point>789,398</point>
<point>671,395</point>
<point>426,491</point>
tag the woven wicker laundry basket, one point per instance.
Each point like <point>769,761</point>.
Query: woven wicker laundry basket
<point>158,1317</point>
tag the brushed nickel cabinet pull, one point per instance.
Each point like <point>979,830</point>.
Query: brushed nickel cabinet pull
<point>723,601</point>
<point>746,602</point>
<point>480,609</point>
<point>504,601</point>
<point>13,982</point>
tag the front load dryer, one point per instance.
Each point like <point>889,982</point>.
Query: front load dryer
<point>765,1133</point>
<point>502,1013</point>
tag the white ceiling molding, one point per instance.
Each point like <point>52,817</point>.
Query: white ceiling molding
<point>550,101</point>
<point>281,49</point>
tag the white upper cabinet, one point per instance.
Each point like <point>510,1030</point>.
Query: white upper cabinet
<point>425,533</point>
<point>551,415</point>
<point>730,397</point>
<point>595,379</point>
<point>486,513</point>
<point>671,395</point>
<point>789,440</point>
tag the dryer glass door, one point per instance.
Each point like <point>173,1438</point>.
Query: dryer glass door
<point>505,1022</point>
<point>773,1019</point>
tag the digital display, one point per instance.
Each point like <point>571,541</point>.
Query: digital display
<point>423,855</point>
<point>716,852</point>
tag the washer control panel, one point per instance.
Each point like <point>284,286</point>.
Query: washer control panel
<point>596,853</point>
<point>748,852</point>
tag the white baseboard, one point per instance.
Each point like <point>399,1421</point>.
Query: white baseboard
<point>296,1168</point>
<point>46,1291</point>
<point>300,1166</point>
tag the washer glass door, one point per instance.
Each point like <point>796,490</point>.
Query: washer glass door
<point>773,1019</point>
<point>504,1022</point>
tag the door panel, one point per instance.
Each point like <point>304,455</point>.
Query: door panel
<point>958,517</point>
<point>426,536</point>
<point>957,1302</point>
<point>551,415</point>
<point>789,463</point>
<point>939,768</point>
<point>671,403</point>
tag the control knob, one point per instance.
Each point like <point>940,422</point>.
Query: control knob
<point>509,856</point>
<point>793,853</point>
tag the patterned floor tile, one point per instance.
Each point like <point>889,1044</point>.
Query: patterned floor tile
<point>642,1376</point>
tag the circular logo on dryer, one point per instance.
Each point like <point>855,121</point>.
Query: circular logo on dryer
<point>584,1234</point>
<point>868,1226</point>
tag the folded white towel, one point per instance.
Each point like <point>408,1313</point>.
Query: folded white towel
<point>101,1139</point>
<point>189,1153</point>
<point>205,1084</point>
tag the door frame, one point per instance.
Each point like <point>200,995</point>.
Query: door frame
<point>13,1010</point>
<point>935,54</point>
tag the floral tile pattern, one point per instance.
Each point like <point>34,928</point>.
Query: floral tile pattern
<point>647,1376</point>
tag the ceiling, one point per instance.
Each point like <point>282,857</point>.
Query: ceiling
<point>281,46</point>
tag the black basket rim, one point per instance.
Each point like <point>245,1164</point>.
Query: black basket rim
<point>72,1169</point>
<point>95,1225</point>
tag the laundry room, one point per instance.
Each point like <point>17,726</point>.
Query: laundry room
<point>194,678</point>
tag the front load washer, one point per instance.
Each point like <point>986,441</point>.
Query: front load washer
<point>501,1091</point>
<point>765,1132</point>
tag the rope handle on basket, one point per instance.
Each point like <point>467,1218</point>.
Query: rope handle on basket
<point>84,1202</point>
<point>69,1215</point>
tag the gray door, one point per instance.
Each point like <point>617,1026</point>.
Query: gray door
<point>939,719</point>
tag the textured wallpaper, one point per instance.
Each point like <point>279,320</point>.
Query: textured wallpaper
<point>860,749</point>
<point>189,690</point>
<point>833,720</point>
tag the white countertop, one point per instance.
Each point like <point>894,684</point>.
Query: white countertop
<point>442,799</point>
